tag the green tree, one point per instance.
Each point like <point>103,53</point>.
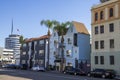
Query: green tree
<point>22,40</point>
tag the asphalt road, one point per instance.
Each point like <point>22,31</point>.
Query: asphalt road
<point>7,74</point>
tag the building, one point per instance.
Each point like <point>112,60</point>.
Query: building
<point>6,56</point>
<point>106,35</point>
<point>34,52</point>
<point>76,47</point>
<point>12,42</point>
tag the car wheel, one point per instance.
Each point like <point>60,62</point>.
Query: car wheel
<point>103,76</point>
<point>75,73</point>
<point>88,74</point>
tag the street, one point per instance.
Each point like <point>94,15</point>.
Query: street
<point>8,74</point>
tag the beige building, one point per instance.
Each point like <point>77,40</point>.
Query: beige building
<point>106,35</point>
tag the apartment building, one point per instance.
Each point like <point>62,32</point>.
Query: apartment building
<point>76,51</point>
<point>34,52</point>
<point>106,35</point>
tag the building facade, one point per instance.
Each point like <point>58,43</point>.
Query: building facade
<point>34,52</point>
<point>6,56</point>
<point>106,35</point>
<point>76,45</point>
<point>12,42</point>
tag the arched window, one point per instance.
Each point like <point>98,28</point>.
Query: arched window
<point>96,16</point>
<point>101,15</point>
<point>111,12</point>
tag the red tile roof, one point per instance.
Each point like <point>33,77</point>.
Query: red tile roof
<point>38,38</point>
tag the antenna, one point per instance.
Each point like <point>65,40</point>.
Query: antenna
<point>12,27</point>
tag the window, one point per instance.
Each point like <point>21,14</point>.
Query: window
<point>55,41</point>
<point>96,30</point>
<point>111,43</point>
<point>24,53</point>
<point>68,53</point>
<point>96,45</point>
<point>102,44</point>
<point>69,41</point>
<point>23,61</point>
<point>111,60</point>
<point>24,45</point>
<point>40,62</point>
<point>41,52</point>
<point>111,12</point>
<point>96,16</point>
<point>96,59</point>
<point>101,15</point>
<point>111,27</point>
<point>41,42</point>
<point>75,39</point>
<point>102,29</point>
<point>101,59</point>
<point>55,53</point>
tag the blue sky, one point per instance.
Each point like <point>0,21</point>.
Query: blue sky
<point>27,15</point>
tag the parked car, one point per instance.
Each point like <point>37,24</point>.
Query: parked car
<point>11,66</point>
<point>104,73</point>
<point>117,77</point>
<point>24,66</point>
<point>71,70</point>
<point>37,68</point>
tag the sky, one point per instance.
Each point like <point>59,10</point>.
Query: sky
<point>27,14</point>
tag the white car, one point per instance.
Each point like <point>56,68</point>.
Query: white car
<point>37,68</point>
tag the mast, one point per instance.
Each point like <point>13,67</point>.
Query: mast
<point>12,27</point>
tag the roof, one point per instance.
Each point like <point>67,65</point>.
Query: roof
<point>80,27</point>
<point>37,38</point>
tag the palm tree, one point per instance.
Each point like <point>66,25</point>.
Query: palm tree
<point>62,29</point>
<point>49,24</point>
<point>22,40</point>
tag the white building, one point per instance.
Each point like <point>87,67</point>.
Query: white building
<point>6,56</point>
<point>76,47</point>
<point>12,42</point>
<point>106,35</point>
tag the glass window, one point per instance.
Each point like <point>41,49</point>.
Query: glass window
<point>40,62</point>
<point>96,59</point>
<point>101,15</point>
<point>41,42</point>
<point>96,45</point>
<point>24,45</point>
<point>41,52</point>
<point>101,59</point>
<point>24,53</point>
<point>111,43</point>
<point>111,60</point>
<point>96,30</point>
<point>111,27</point>
<point>68,53</point>
<point>69,41</point>
<point>96,16</point>
<point>111,12</point>
<point>102,29</point>
<point>23,62</point>
<point>102,44</point>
